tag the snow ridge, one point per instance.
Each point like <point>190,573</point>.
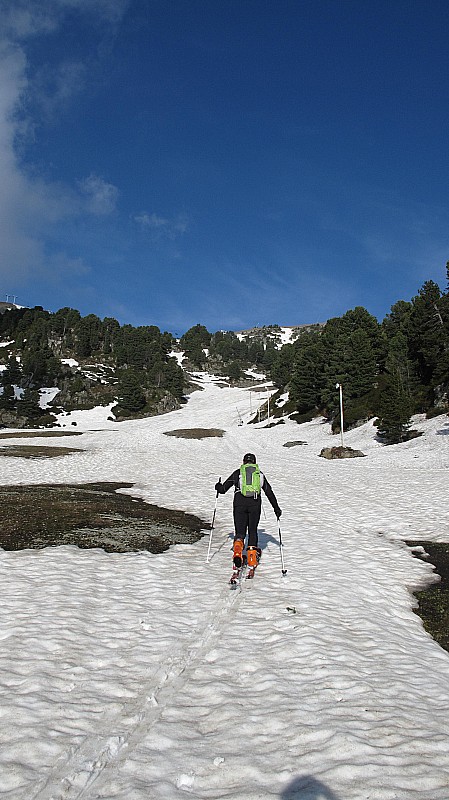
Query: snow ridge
<point>75,776</point>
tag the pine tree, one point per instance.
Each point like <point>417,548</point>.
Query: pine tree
<point>13,372</point>
<point>306,381</point>
<point>396,404</point>
<point>87,336</point>
<point>394,420</point>
<point>7,397</point>
<point>193,342</point>
<point>399,365</point>
<point>282,367</point>
<point>130,393</point>
<point>234,371</point>
<point>427,340</point>
<point>28,405</point>
<point>398,319</point>
<point>361,364</point>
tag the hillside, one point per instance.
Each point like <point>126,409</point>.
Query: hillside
<point>144,676</point>
<point>278,334</point>
<point>55,363</point>
<point>387,371</point>
<point>58,362</point>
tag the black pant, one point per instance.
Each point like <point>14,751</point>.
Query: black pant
<point>246,518</point>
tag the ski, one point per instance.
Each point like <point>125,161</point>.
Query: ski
<point>243,571</point>
<point>235,577</point>
<point>237,574</point>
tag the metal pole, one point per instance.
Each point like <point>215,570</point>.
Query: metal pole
<point>212,525</point>
<point>340,387</point>
<point>281,546</point>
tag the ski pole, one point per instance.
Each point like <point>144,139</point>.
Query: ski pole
<point>281,547</point>
<point>212,525</point>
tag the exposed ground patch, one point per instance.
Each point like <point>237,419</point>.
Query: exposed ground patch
<point>195,433</point>
<point>434,601</point>
<point>90,515</point>
<point>38,434</point>
<point>36,451</point>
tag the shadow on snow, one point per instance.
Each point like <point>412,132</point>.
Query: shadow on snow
<point>444,431</point>
<point>263,538</point>
<point>306,787</point>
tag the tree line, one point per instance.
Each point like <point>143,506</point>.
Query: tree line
<point>140,371</point>
<point>389,370</point>
<point>227,353</point>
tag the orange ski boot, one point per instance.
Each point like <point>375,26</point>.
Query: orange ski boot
<point>238,553</point>
<point>252,555</point>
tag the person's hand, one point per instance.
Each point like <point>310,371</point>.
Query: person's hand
<point>219,487</point>
<point>278,513</point>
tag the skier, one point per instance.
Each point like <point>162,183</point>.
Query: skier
<point>247,481</point>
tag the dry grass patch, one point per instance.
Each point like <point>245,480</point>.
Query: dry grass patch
<point>38,434</point>
<point>196,433</point>
<point>90,515</point>
<point>36,451</point>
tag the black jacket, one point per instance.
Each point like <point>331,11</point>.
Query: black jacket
<point>234,480</point>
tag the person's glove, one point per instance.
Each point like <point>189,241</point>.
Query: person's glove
<point>278,512</point>
<point>219,488</point>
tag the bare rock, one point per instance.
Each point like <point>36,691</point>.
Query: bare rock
<point>341,452</point>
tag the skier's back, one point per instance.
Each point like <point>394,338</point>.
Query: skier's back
<point>248,481</point>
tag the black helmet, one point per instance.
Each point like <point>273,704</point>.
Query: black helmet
<point>249,458</point>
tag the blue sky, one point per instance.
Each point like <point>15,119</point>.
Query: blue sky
<point>228,162</point>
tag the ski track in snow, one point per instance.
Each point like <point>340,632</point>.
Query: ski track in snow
<point>138,676</point>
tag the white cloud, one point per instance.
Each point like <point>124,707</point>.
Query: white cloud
<point>30,205</point>
<point>26,205</point>
<point>169,227</point>
<point>101,196</point>
<point>21,19</point>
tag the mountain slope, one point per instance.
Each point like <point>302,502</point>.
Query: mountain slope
<point>137,676</point>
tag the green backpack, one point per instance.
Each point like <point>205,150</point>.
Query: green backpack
<point>250,480</point>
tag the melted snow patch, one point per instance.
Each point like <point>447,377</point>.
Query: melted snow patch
<point>71,362</point>
<point>47,394</point>
<point>98,418</point>
<point>179,355</point>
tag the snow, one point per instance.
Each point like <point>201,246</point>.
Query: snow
<point>282,399</point>
<point>179,355</point>
<point>251,373</point>
<point>71,362</point>
<point>137,676</point>
<point>99,418</point>
<point>286,335</point>
<point>47,394</point>
<point>6,344</point>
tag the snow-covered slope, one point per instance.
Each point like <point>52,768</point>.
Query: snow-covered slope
<point>278,334</point>
<point>144,677</point>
